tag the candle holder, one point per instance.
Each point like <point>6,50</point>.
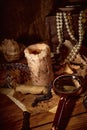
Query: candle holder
<point>67,87</point>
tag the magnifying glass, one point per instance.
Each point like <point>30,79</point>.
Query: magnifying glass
<point>67,87</point>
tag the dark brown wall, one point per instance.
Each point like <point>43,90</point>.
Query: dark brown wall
<point>24,20</point>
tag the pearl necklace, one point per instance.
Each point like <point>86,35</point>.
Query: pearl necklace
<point>59,23</point>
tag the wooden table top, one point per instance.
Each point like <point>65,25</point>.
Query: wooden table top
<point>11,117</point>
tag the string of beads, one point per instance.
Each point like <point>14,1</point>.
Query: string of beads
<point>61,18</point>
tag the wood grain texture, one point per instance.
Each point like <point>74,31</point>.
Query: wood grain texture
<point>11,116</point>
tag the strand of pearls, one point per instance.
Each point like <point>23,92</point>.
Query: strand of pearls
<point>77,47</point>
<point>59,23</point>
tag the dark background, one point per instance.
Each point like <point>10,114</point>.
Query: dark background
<point>24,20</point>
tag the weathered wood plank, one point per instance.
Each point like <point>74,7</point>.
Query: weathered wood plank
<point>41,119</point>
<point>11,117</point>
<point>75,123</point>
<point>78,122</point>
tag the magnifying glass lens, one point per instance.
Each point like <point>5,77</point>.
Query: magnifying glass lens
<point>66,84</point>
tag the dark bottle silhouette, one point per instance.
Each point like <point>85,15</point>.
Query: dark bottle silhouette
<point>26,122</point>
